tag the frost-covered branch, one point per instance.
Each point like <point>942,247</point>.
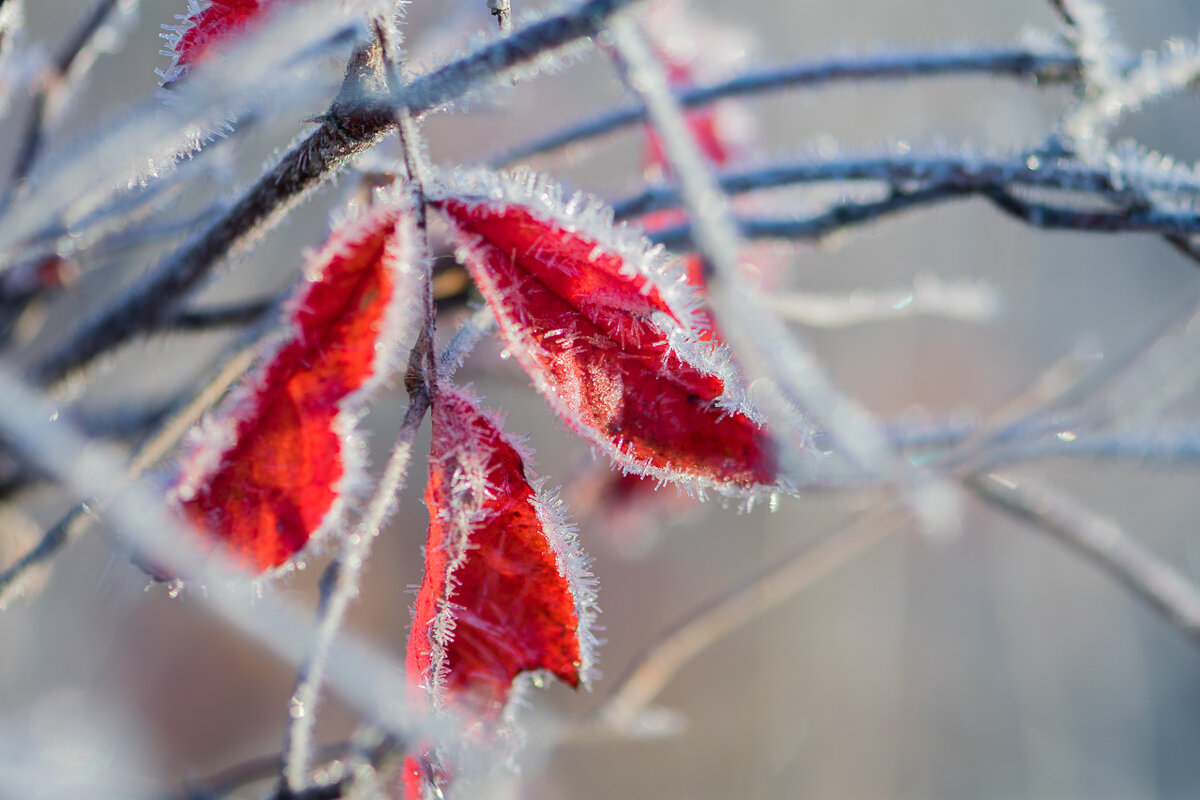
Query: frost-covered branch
<point>74,59</point>
<point>1101,540</point>
<point>952,170</point>
<point>353,124</point>
<point>1038,68</point>
<point>88,469</point>
<point>1090,32</point>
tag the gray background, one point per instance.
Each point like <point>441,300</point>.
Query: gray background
<point>991,665</point>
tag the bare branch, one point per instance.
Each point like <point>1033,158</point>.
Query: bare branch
<point>657,664</point>
<point>339,585</point>
<point>1100,540</point>
<point>75,50</point>
<point>1037,68</point>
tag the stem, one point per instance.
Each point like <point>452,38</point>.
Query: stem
<point>339,585</point>
<point>1100,540</point>
<point>73,51</point>
<point>658,663</point>
<point>1040,68</point>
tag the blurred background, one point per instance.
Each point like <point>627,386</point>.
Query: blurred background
<point>989,664</point>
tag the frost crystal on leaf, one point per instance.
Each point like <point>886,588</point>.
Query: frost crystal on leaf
<point>271,470</point>
<point>215,24</point>
<point>610,333</point>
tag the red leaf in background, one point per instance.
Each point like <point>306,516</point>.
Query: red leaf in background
<point>216,24</point>
<point>705,124</point>
<point>608,335</point>
<point>270,470</point>
<point>693,49</point>
<point>505,591</point>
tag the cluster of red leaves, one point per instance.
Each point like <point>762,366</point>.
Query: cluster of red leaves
<point>616,344</point>
<point>607,335</point>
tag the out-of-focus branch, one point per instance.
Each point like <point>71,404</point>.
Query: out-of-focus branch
<point>1038,68</point>
<point>653,668</point>
<point>964,170</point>
<point>1099,539</point>
<point>75,51</point>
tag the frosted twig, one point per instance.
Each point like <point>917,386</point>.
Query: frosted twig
<point>237,776</point>
<point>1037,215</point>
<point>1154,76</point>
<point>1090,32</point>
<point>653,668</point>
<point>927,296</point>
<point>1166,444</point>
<point>963,170</point>
<point>351,126</point>
<point>474,328</point>
<point>339,585</point>
<point>88,469</point>
<point>1099,539</point>
<point>1040,68</point>
<point>836,218</point>
<point>73,59</point>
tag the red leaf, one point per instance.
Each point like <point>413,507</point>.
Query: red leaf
<point>270,471</point>
<point>218,23</point>
<point>609,336</point>
<point>693,49</point>
<point>705,125</point>
<point>505,590</point>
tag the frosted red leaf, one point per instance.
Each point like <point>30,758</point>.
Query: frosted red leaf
<point>271,469</point>
<point>610,335</point>
<point>506,591</point>
<point>213,25</point>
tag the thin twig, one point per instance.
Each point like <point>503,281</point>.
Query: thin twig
<point>1040,68</point>
<point>339,585</point>
<point>965,170</point>
<point>362,676</point>
<point>1099,539</point>
<point>751,597</point>
<point>1037,215</point>
<point>74,50</point>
